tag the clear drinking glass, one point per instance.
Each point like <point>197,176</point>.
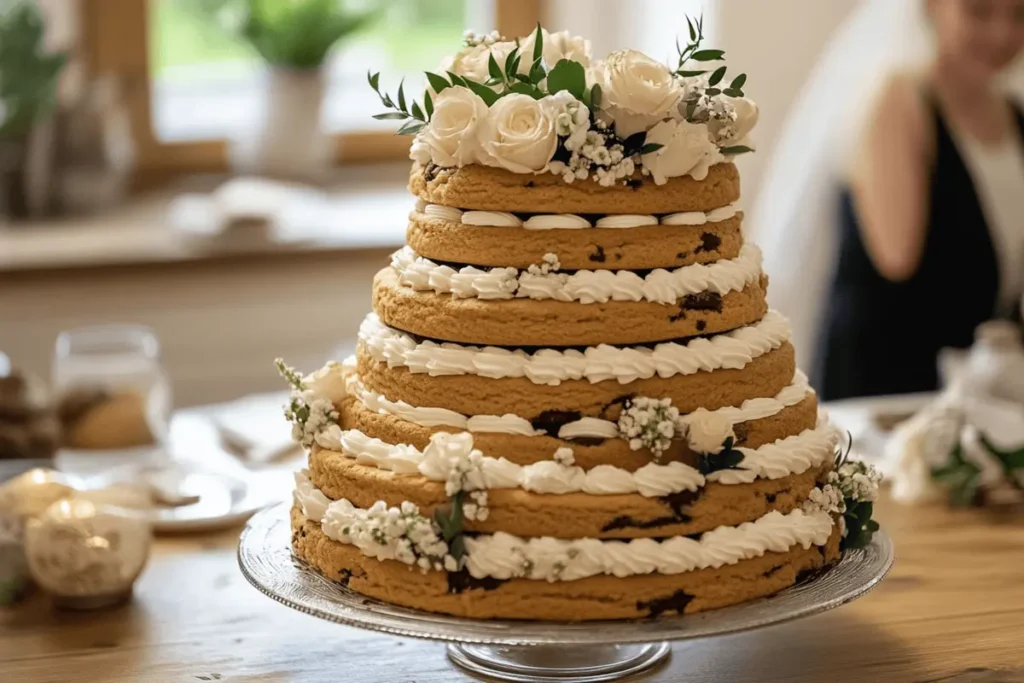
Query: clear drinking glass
<point>114,393</point>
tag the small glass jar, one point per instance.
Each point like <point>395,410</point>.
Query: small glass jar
<point>113,392</point>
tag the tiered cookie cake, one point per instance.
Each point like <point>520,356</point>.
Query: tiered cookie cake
<point>571,401</point>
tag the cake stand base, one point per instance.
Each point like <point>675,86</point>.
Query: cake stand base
<point>540,663</point>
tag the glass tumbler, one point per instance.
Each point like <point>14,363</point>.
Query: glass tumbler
<point>113,392</point>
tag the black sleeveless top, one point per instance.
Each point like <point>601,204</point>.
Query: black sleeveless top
<point>882,337</point>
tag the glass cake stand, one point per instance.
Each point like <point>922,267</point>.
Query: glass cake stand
<point>536,651</point>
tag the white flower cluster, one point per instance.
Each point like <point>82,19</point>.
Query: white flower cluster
<point>551,264</point>
<point>470,39</point>
<point>452,458</point>
<point>310,419</point>
<point>649,423</point>
<point>591,155</point>
<point>828,499</point>
<point>565,457</point>
<point>857,480</point>
<point>410,537</point>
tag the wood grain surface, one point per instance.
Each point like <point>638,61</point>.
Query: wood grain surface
<point>952,610</point>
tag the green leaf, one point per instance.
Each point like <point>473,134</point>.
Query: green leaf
<point>486,94</point>
<point>717,76</point>
<point>736,150</point>
<point>651,147</point>
<point>693,31</point>
<point>596,95</point>
<point>457,80</point>
<point>538,44</point>
<point>690,74</point>
<point>569,76</point>
<point>411,128</point>
<point>526,89</point>
<point>401,95</point>
<point>537,72</point>
<point>515,65</point>
<point>711,92</point>
<point>428,104</point>
<point>733,92</point>
<point>391,116</point>
<point>494,70</point>
<point>708,55</point>
<point>510,62</point>
<point>374,80</point>
<point>523,78</point>
<point>738,82</point>
<point>437,83</point>
<point>457,547</point>
<point>417,113</point>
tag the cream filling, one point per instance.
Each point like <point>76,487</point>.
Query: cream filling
<point>730,351</point>
<point>504,556</point>
<point>502,219</point>
<point>792,455</point>
<point>585,286</point>
<point>587,427</point>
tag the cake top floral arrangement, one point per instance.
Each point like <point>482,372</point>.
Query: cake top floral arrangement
<point>540,104</point>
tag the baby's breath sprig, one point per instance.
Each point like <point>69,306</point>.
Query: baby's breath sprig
<point>414,115</point>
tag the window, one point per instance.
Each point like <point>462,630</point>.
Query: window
<point>188,85</point>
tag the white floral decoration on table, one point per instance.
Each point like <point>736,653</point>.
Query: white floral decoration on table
<point>540,104</point>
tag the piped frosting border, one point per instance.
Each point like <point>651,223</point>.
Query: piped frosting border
<point>543,221</point>
<point>733,350</point>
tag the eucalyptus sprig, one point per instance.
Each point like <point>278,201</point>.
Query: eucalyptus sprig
<point>414,116</point>
<point>449,519</point>
<point>693,51</point>
<point>728,458</point>
<point>960,477</point>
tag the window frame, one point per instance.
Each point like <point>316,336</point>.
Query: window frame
<point>114,41</point>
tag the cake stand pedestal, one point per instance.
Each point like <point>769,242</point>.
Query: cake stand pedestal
<point>537,651</point>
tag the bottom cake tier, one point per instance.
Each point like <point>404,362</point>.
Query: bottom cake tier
<point>638,593</point>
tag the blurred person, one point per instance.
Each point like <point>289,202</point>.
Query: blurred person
<point>893,215</point>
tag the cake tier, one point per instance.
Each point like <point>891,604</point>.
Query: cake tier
<point>472,394</point>
<point>596,597</point>
<point>525,322</point>
<point>363,474</point>
<point>440,237</point>
<point>595,441</point>
<point>493,189</point>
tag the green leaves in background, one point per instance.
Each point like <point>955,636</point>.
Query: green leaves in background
<point>960,476</point>
<point>28,75</point>
<point>294,34</point>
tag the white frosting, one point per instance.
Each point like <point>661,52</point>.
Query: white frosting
<point>446,213</point>
<point>793,455</point>
<point>494,219</point>
<point>501,219</point>
<point>730,351</point>
<point>565,221</point>
<point>504,556</point>
<point>587,427</point>
<point>586,286</point>
<point>625,221</point>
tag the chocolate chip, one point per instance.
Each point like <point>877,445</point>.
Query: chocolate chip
<point>634,183</point>
<point>462,580</point>
<point>430,171</point>
<point>550,421</point>
<point>709,242</point>
<point>676,602</point>
<point>703,301</point>
<point>701,325</point>
<point>598,256</point>
<point>529,183</point>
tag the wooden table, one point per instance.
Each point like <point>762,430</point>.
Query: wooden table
<point>952,610</point>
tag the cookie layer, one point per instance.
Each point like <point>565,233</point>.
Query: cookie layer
<point>594,598</point>
<point>493,189</point>
<point>657,246</point>
<point>588,453</point>
<point>764,376</point>
<point>524,322</point>
<point>570,515</point>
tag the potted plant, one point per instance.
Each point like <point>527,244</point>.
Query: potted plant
<point>28,95</point>
<point>294,39</point>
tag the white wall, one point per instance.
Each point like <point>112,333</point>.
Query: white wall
<point>775,41</point>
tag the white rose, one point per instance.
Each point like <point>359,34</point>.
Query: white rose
<point>557,46</point>
<point>637,91</point>
<point>686,148</point>
<point>708,431</point>
<point>450,138</point>
<point>328,382</point>
<point>519,134</point>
